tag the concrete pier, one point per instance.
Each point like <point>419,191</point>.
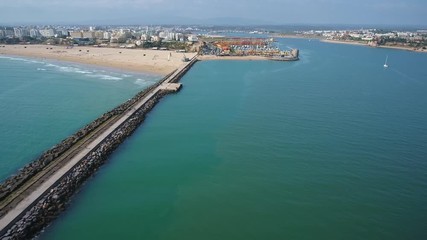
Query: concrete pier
<point>46,197</point>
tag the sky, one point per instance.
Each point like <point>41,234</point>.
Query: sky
<point>261,12</point>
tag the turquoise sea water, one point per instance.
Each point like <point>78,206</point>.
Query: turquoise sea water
<point>330,147</point>
<point>43,102</point>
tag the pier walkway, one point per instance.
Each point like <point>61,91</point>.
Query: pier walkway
<point>43,186</point>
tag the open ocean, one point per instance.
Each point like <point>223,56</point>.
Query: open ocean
<point>333,146</point>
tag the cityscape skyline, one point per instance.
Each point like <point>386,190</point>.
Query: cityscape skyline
<point>364,12</point>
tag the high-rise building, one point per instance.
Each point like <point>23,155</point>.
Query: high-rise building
<point>61,32</point>
<point>171,36</point>
<point>76,34</point>
<point>163,34</point>
<point>193,38</point>
<point>107,35</point>
<point>17,32</point>
<point>178,36</point>
<point>21,32</point>
<point>90,35</point>
<point>99,34</point>
<point>8,32</point>
<point>47,32</point>
<point>34,33</point>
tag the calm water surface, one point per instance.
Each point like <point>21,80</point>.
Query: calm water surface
<point>43,102</point>
<point>330,147</point>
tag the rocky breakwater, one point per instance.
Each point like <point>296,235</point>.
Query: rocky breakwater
<point>27,172</point>
<point>56,199</point>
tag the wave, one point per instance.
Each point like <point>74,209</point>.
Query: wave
<point>68,69</point>
<point>21,59</point>
<point>99,74</point>
<point>104,77</point>
<point>141,82</point>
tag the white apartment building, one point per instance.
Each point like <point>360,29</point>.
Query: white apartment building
<point>20,32</point>
<point>193,38</point>
<point>34,33</point>
<point>8,32</point>
<point>106,35</point>
<point>47,32</point>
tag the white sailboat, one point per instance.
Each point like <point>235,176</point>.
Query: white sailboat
<point>385,64</point>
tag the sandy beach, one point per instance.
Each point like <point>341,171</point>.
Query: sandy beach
<point>140,60</point>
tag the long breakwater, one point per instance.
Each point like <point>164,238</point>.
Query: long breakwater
<point>33,197</point>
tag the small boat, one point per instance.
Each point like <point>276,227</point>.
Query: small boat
<point>385,64</point>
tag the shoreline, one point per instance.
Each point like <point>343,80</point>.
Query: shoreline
<point>244,58</point>
<point>156,62</point>
<point>87,66</point>
<point>294,37</point>
<point>348,42</point>
<point>367,45</point>
<point>136,60</point>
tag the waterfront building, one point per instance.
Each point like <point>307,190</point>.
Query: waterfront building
<point>17,32</point>
<point>118,37</point>
<point>62,32</point>
<point>90,35</point>
<point>99,34</point>
<point>193,38</point>
<point>34,33</point>
<point>47,32</point>
<point>139,43</point>
<point>21,32</point>
<point>76,34</point>
<point>106,35</point>
<point>155,38</point>
<point>179,37</point>
<point>8,32</point>
<point>144,37</point>
<point>163,34</point>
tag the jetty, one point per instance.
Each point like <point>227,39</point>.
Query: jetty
<point>32,198</point>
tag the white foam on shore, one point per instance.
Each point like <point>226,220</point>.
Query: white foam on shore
<point>21,59</point>
<point>93,73</point>
<point>100,74</point>
<point>104,77</point>
<point>142,82</point>
<point>68,69</point>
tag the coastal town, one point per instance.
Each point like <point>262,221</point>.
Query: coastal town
<point>179,39</point>
<point>415,40</point>
<point>106,36</point>
<point>206,40</point>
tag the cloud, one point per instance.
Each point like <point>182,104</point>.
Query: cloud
<point>79,3</point>
<point>277,11</point>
